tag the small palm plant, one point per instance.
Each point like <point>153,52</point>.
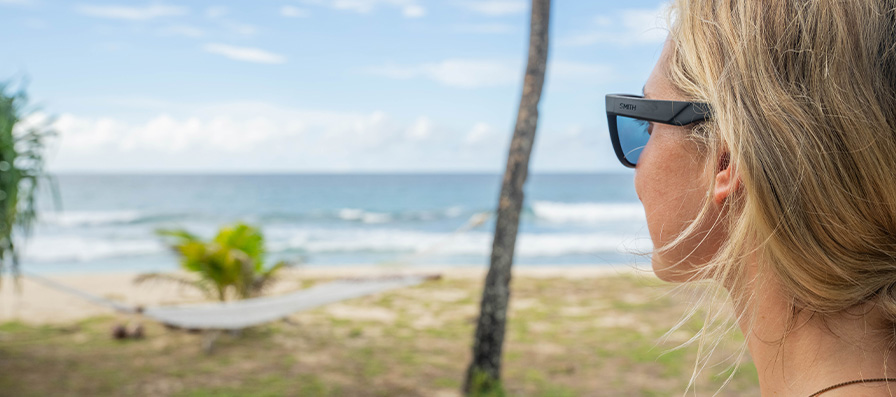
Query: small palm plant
<point>230,265</point>
<point>22,146</point>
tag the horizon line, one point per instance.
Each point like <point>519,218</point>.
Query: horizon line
<point>328,172</point>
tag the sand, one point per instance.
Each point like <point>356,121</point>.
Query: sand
<point>35,303</point>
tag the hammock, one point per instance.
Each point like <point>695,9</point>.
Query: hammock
<point>236,315</point>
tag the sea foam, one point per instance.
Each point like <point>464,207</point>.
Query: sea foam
<point>85,249</point>
<point>89,218</point>
<point>469,243</point>
<point>587,212</point>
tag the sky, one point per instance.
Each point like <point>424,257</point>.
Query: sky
<point>320,85</point>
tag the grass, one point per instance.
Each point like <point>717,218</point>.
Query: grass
<point>565,338</point>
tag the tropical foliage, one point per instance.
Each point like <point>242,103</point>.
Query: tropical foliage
<point>229,266</point>
<point>22,145</point>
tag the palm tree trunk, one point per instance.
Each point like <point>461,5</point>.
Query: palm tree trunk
<point>489,337</point>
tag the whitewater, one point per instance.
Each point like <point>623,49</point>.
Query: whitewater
<point>109,222</point>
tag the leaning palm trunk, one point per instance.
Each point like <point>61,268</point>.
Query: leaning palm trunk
<point>485,369</point>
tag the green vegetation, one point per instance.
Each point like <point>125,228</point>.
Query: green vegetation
<point>577,343</point>
<point>230,265</point>
<point>483,385</point>
<point>23,140</point>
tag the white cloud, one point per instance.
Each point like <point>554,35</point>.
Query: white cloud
<point>487,28</point>
<point>420,129</point>
<point>495,7</point>
<point>247,54</point>
<point>133,13</point>
<point>219,14</point>
<point>163,134</point>
<point>461,73</point>
<point>216,12</point>
<point>293,12</point>
<point>629,27</point>
<point>574,131</point>
<point>409,8</point>
<point>239,28</point>
<point>253,136</point>
<point>472,73</point>
<point>479,133</point>
<point>413,11</point>
<point>85,134</point>
<point>182,30</point>
<point>243,136</point>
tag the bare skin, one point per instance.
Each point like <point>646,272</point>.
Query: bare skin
<point>818,352</point>
<point>672,180</point>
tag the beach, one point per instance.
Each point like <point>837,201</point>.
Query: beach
<point>33,302</point>
<point>582,319</point>
<point>589,331</point>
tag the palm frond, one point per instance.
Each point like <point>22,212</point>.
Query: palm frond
<point>269,276</point>
<point>230,264</point>
<point>179,235</point>
<point>201,285</point>
<point>23,142</point>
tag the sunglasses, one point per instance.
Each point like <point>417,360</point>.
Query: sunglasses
<point>628,117</point>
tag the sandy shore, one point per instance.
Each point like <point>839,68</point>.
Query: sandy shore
<point>570,331</point>
<point>35,303</point>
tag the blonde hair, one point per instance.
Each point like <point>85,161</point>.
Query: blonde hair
<point>803,95</point>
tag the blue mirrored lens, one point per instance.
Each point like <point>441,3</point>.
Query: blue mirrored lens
<point>633,137</point>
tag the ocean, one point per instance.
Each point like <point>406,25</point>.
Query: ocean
<point>108,223</point>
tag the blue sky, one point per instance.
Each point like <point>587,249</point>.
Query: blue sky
<point>321,85</point>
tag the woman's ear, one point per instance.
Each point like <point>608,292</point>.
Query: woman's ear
<point>727,180</point>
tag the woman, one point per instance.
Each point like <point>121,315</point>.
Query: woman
<point>771,168</point>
